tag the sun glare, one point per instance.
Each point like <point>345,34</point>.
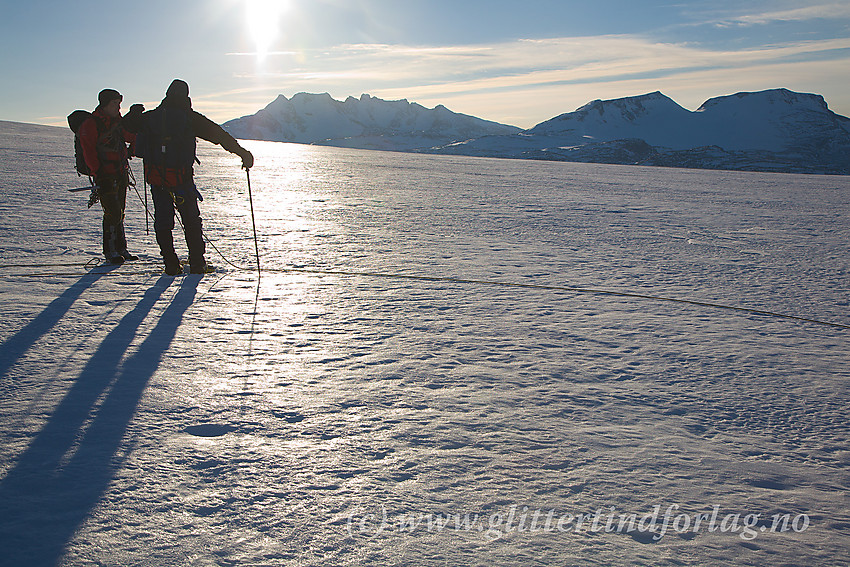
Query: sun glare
<point>263,18</point>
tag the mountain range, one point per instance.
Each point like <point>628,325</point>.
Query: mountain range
<point>775,130</point>
<point>366,122</point>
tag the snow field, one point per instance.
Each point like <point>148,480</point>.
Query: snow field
<point>150,420</point>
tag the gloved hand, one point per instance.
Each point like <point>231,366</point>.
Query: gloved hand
<point>247,158</point>
<point>132,121</point>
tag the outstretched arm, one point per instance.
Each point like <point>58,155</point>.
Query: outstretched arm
<point>210,131</point>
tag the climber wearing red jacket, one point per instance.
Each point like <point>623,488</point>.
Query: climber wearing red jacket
<point>104,143</point>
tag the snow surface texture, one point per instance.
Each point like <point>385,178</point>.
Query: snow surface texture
<point>368,420</point>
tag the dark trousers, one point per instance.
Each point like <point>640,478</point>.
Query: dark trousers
<point>185,201</point>
<point>113,199</point>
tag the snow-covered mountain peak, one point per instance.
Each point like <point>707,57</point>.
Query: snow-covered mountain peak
<point>277,102</point>
<point>631,108</point>
<point>769,98</point>
<point>653,117</point>
<point>313,99</point>
<point>365,122</point>
<point>773,130</point>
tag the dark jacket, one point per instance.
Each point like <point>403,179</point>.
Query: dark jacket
<point>201,126</point>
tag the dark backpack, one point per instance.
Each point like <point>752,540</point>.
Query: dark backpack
<point>75,120</point>
<point>167,139</point>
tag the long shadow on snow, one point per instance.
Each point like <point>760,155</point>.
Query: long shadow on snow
<point>18,344</point>
<point>65,471</point>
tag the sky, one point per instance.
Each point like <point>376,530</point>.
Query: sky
<point>514,62</point>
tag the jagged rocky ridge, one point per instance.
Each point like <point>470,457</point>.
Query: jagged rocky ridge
<point>774,130</point>
<point>367,122</point>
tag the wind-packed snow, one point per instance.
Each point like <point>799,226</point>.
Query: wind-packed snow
<point>340,414</point>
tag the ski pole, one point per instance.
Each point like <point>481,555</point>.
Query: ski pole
<point>253,222</point>
<point>145,190</point>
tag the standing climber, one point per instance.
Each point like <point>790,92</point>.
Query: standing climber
<point>166,142</point>
<point>103,141</point>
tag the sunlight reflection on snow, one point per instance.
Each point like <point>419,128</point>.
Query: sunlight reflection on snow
<point>336,396</point>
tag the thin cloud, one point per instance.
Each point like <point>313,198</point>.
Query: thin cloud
<point>528,105</point>
<point>833,11</point>
<point>528,62</point>
<point>529,74</point>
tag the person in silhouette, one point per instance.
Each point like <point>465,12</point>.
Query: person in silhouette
<point>104,143</point>
<point>166,142</point>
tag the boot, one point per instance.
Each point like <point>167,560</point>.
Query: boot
<point>205,269</point>
<point>200,266</point>
<point>172,265</point>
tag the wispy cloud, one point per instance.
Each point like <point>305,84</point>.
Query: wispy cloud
<point>572,66</point>
<point>831,11</point>
<point>523,63</point>
<point>577,57</point>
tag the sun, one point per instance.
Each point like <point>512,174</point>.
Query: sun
<point>263,18</point>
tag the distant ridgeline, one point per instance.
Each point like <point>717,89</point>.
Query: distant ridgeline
<point>367,122</point>
<point>775,130</point>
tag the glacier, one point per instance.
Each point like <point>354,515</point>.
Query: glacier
<point>412,382</point>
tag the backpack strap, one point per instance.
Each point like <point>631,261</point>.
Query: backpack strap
<point>110,140</point>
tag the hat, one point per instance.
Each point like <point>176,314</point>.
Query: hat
<point>177,88</point>
<point>107,95</point>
